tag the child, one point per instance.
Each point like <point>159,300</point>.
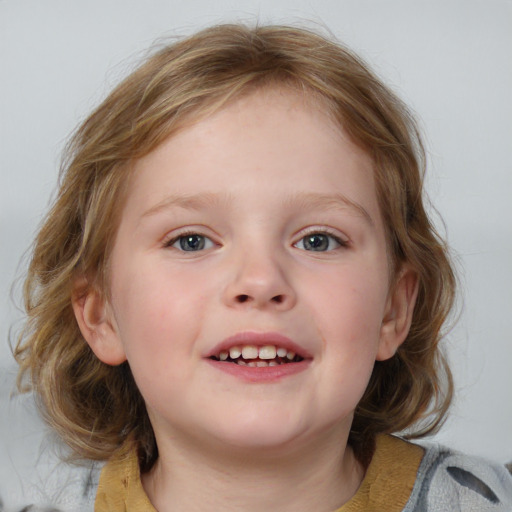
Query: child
<point>238,295</point>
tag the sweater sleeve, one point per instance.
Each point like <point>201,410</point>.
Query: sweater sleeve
<point>451,481</point>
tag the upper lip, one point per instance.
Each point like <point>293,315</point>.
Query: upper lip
<point>258,339</point>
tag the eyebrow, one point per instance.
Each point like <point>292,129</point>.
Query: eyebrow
<point>335,201</point>
<point>189,202</point>
<point>302,200</point>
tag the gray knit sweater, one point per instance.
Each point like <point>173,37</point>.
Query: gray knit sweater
<point>453,482</point>
<point>446,481</point>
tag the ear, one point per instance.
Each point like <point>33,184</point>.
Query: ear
<point>398,314</point>
<point>97,324</point>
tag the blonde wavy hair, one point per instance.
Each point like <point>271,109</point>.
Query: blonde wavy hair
<point>95,407</point>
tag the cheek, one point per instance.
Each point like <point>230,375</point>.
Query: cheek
<point>151,297</point>
<point>157,320</point>
<point>349,319</point>
<point>353,305</point>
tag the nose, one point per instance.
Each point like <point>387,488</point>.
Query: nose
<point>259,280</point>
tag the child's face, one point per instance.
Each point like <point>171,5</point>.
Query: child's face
<point>257,226</point>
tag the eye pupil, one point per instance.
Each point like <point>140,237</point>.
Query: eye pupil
<point>316,242</point>
<point>192,243</point>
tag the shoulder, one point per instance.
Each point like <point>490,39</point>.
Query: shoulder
<point>449,480</point>
<point>65,489</point>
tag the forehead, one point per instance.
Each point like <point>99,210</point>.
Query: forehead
<point>278,138</point>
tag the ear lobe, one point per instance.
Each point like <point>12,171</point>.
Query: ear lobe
<point>398,315</point>
<point>97,325</point>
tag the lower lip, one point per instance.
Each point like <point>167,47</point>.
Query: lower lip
<point>260,374</point>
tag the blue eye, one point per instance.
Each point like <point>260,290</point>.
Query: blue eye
<point>191,242</point>
<point>319,242</point>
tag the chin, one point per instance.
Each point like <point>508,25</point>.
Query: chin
<point>260,431</point>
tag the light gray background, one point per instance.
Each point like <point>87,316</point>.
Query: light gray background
<point>449,59</point>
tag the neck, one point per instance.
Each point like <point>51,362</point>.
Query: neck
<point>320,476</point>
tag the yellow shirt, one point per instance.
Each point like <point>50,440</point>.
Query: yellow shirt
<point>387,485</point>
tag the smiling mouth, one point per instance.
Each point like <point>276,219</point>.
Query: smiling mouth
<point>254,356</point>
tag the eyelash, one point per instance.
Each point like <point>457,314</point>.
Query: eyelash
<point>170,242</point>
<point>310,233</point>
<point>324,232</point>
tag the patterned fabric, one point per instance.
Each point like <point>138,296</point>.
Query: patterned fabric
<point>387,485</point>
<point>450,481</point>
<point>76,493</point>
<point>402,477</point>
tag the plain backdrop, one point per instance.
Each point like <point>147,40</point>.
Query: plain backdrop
<point>450,60</point>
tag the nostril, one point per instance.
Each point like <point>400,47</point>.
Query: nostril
<point>244,298</point>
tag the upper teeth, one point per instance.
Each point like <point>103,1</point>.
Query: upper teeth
<point>249,352</point>
<point>254,352</point>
